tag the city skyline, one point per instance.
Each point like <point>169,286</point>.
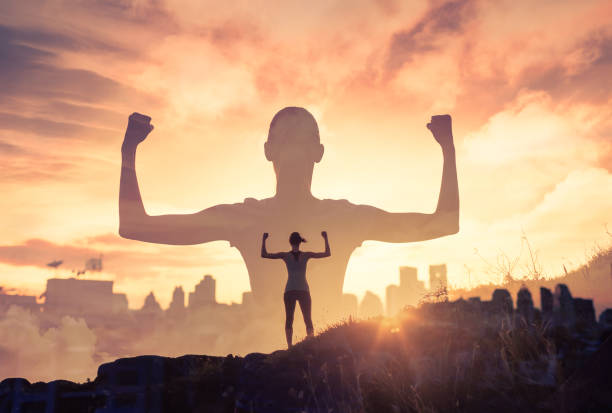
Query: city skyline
<point>423,271</point>
<point>203,292</point>
<point>406,290</point>
<point>85,322</point>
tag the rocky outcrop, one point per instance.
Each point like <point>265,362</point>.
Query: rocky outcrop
<point>277,382</point>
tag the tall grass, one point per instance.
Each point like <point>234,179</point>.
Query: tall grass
<point>409,364</point>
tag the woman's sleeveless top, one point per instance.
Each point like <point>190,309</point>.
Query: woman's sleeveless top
<point>296,271</point>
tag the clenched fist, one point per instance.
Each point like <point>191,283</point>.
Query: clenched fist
<point>442,129</point>
<point>139,126</point>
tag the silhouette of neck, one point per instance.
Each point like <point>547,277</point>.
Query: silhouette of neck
<point>293,186</point>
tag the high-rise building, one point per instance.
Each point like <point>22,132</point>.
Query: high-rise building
<point>204,293</point>
<point>80,297</point>
<point>151,305</point>
<point>409,291</point>
<point>370,306</point>
<point>437,277</point>
<point>177,305</point>
<point>350,305</point>
<point>392,299</point>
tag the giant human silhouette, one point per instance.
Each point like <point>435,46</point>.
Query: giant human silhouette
<point>293,146</point>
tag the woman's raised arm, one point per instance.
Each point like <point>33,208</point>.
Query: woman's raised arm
<point>327,251</point>
<point>265,254</point>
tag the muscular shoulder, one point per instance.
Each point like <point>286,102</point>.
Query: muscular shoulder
<point>337,203</point>
<point>238,213</point>
<point>238,207</point>
<point>354,219</point>
<point>232,220</point>
<point>344,206</point>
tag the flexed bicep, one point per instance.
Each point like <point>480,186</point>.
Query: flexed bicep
<point>377,224</point>
<point>212,224</point>
<point>386,226</point>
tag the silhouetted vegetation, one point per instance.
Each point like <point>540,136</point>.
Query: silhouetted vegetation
<point>445,356</point>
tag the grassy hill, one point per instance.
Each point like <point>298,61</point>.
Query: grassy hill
<point>440,357</point>
<point>591,280</point>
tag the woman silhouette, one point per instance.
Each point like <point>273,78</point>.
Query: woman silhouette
<point>297,287</point>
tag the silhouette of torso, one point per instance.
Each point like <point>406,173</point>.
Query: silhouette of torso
<point>296,262</point>
<point>294,148</point>
<point>245,222</point>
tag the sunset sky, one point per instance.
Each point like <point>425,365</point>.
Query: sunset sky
<point>528,85</point>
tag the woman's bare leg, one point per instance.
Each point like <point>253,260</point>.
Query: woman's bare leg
<point>306,307</point>
<point>289,298</point>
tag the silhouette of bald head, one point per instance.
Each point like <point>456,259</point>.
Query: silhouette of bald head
<point>293,137</point>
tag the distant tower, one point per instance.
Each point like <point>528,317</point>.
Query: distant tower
<point>151,305</point>
<point>408,275</point>
<point>350,305</point>
<point>437,277</point>
<point>204,293</point>
<point>370,306</point>
<point>178,298</point>
<point>392,299</point>
<point>177,305</point>
<point>409,291</point>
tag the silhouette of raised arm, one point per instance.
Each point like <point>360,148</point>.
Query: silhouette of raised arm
<point>135,223</point>
<point>409,227</point>
<point>265,254</point>
<point>323,254</point>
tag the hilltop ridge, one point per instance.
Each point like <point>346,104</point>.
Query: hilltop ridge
<point>468,356</point>
<point>592,279</point>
